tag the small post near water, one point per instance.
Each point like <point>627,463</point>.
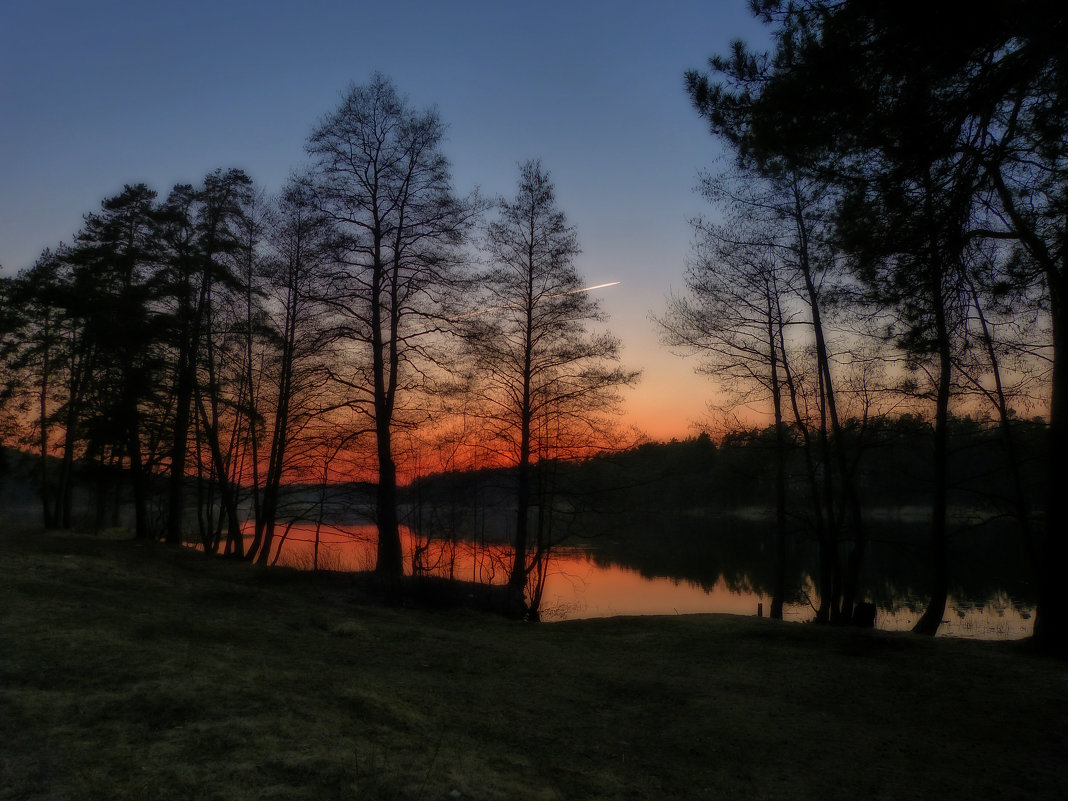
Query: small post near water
<point>760,610</point>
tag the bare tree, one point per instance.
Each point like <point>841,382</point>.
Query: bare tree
<point>296,363</point>
<point>734,318</point>
<point>381,178</point>
<point>1001,362</point>
<point>538,367</point>
<point>757,312</point>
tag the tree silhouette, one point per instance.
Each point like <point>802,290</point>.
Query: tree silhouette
<point>115,261</point>
<point>34,353</point>
<point>202,231</point>
<point>380,177</point>
<point>297,357</point>
<point>541,373</point>
<point>735,317</point>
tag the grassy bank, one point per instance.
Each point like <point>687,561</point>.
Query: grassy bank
<point>135,672</point>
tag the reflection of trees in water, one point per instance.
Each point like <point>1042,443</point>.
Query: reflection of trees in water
<point>989,561</point>
<point>700,550</point>
<point>698,512</point>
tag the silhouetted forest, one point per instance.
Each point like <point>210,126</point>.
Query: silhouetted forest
<point>880,281</point>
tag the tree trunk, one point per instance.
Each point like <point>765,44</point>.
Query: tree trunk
<point>42,422</point>
<point>829,410</point>
<point>179,446</point>
<point>390,554</point>
<point>65,491</point>
<point>1012,457</point>
<point>250,379</point>
<point>517,579</point>
<point>932,617</point>
<point>226,490</point>
<point>779,585</point>
<point>822,537</point>
<point>139,485</point>
<point>188,342</point>
<point>268,510</point>
<point>1051,617</point>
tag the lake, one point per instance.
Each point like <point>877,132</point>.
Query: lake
<point>583,583</point>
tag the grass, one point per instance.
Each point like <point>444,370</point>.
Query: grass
<point>136,672</point>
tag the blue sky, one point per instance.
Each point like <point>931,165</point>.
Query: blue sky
<point>94,95</point>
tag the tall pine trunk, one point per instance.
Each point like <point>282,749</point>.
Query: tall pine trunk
<point>932,616</point>
<point>1051,618</point>
<point>778,594</point>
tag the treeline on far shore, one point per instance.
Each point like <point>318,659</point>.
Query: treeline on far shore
<point>891,457</point>
<point>682,477</point>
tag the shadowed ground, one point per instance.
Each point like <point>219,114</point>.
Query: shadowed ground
<point>136,672</point>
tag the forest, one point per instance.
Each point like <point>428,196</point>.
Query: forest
<point>877,295</point>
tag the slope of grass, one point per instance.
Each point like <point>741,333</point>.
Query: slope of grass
<point>136,672</point>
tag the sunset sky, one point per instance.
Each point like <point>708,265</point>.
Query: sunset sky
<point>97,95</point>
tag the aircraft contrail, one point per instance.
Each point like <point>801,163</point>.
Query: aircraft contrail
<point>584,289</point>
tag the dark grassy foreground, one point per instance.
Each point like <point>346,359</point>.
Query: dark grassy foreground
<point>134,672</point>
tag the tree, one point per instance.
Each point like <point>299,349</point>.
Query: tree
<point>997,365</point>
<point>33,352</point>
<point>8,346</point>
<point>178,237</point>
<point>906,231</point>
<point>380,177</point>
<point>538,367</point>
<point>115,261</point>
<point>961,124</point>
<point>733,318</point>
<point>1023,154</point>
<point>202,230</point>
<point>757,312</point>
<point>296,362</point>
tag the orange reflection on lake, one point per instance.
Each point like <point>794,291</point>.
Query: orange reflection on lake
<point>577,587</point>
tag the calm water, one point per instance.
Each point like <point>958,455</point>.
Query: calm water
<point>578,587</point>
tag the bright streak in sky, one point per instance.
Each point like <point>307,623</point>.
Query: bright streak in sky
<point>489,309</point>
<point>585,289</point>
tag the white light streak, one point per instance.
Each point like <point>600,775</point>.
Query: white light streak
<point>584,289</point>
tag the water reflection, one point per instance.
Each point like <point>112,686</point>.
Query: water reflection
<point>587,582</point>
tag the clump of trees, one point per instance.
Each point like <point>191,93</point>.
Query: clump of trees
<point>217,351</point>
<point>898,196</point>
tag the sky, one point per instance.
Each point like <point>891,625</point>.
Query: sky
<point>95,95</point>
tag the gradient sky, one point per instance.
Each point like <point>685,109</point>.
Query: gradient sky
<point>94,95</point>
